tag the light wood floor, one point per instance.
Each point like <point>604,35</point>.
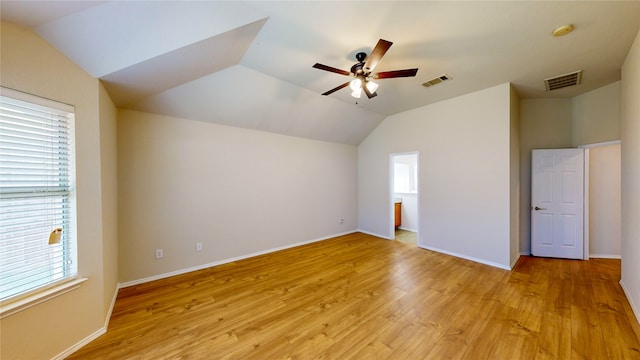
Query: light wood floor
<point>360,297</point>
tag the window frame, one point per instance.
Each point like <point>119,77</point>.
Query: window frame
<point>53,288</point>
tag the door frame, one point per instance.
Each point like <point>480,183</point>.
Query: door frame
<point>391,195</point>
<point>586,190</point>
<point>585,204</point>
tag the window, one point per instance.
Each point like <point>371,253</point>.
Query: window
<point>401,182</point>
<point>405,174</point>
<point>37,198</point>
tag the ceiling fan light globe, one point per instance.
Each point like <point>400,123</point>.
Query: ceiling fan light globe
<point>357,93</point>
<point>371,86</point>
<point>356,84</point>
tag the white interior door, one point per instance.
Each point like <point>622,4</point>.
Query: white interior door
<point>557,203</point>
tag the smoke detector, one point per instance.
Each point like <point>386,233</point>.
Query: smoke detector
<point>562,81</point>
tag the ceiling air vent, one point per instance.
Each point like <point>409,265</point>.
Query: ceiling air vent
<point>437,80</point>
<point>563,81</point>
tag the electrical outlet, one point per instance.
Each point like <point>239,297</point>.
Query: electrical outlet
<point>199,246</point>
<point>341,221</point>
<point>159,253</point>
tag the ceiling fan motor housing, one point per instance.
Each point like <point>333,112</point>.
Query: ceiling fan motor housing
<point>357,69</point>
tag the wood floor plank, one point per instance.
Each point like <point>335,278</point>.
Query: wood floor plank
<point>465,328</point>
<point>554,339</point>
<point>361,297</point>
<point>587,341</point>
<point>621,344</point>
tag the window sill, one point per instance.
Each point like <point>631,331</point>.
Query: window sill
<point>33,300</point>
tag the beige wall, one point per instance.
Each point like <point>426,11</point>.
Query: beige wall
<point>544,124</point>
<point>604,201</point>
<point>596,116</point>
<point>46,330</point>
<point>464,174</point>
<point>630,133</point>
<point>236,191</point>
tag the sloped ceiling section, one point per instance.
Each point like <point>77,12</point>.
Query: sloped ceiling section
<point>177,67</point>
<point>112,36</point>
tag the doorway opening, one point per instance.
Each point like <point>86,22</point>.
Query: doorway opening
<point>404,197</point>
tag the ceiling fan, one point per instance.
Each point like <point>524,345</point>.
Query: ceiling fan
<point>362,71</point>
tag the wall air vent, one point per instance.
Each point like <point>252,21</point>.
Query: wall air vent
<point>562,81</point>
<point>437,80</point>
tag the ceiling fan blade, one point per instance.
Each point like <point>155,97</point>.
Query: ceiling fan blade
<point>336,88</point>
<point>369,93</point>
<point>378,52</point>
<point>331,69</point>
<point>395,74</point>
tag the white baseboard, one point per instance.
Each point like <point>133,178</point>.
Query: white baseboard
<point>636,311</point>
<point>604,256</point>
<point>591,256</point>
<point>225,261</point>
<point>514,262</point>
<point>481,261</point>
<point>96,334</point>
<point>113,304</point>
<point>374,234</point>
<point>471,258</point>
<point>82,343</point>
<point>407,229</point>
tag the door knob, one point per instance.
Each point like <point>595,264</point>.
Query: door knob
<point>539,208</point>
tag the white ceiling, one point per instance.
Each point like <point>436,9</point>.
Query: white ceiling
<point>248,64</point>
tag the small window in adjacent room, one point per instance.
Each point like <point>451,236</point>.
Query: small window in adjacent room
<point>37,195</point>
<point>402,182</point>
<point>405,174</point>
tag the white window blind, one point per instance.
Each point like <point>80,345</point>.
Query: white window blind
<point>36,194</point>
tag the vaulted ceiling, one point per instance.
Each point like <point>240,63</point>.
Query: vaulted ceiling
<point>249,63</point>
